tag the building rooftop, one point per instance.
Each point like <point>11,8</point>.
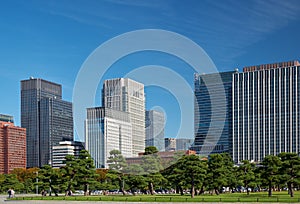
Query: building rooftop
<point>6,118</point>
<point>271,66</point>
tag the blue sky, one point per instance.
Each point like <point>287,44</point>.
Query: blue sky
<point>52,39</point>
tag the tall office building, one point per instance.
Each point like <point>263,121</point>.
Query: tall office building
<point>47,118</point>
<point>203,113</point>
<point>155,126</point>
<point>12,145</point>
<point>127,95</point>
<point>266,106</point>
<point>105,130</point>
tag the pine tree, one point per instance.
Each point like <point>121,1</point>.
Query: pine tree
<point>290,170</point>
<point>270,171</point>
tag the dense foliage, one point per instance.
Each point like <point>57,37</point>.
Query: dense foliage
<point>190,174</point>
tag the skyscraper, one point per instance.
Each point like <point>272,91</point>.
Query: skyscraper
<point>127,95</point>
<point>47,118</point>
<point>203,112</point>
<point>12,145</point>
<point>266,106</point>
<point>56,124</point>
<point>105,130</point>
<point>155,126</point>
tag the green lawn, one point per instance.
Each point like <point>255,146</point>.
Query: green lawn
<point>233,197</point>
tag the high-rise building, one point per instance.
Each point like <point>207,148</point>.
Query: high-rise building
<point>266,106</point>
<point>155,126</point>
<point>47,118</point>
<point>63,149</point>
<point>183,143</point>
<point>105,130</point>
<point>56,124</point>
<point>170,144</point>
<point>12,145</point>
<point>205,134</point>
<point>127,95</point>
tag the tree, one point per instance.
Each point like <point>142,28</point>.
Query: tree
<point>233,180</point>
<point>134,178</point>
<point>49,179</point>
<point>30,179</point>
<point>270,171</point>
<point>117,163</point>
<point>8,181</point>
<point>220,167</point>
<point>27,177</point>
<point>246,174</point>
<point>150,150</point>
<point>2,183</point>
<point>20,173</point>
<point>174,177</point>
<point>79,172</point>
<point>102,175</point>
<point>69,172</point>
<point>105,180</point>
<point>152,166</point>
<point>86,173</point>
<point>290,170</point>
<point>193,170</point>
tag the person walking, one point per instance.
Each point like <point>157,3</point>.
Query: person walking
<point>12,192</point>
<point>9,193</point>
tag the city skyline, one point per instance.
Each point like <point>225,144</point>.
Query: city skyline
<point>52,40</point>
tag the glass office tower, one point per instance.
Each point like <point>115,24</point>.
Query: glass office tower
<point>203,113</point>
<point>56,124</point>
<point>266,117</point>
<point>46,117</point>
<point>155,129</point>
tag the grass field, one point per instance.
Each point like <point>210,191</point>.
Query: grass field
<point>233,197</point>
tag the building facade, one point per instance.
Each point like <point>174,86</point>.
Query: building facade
<point>12,145</point>
<point>206,141</point>
<point>170,144</point>
<point>266,117</point>
<point>63,149</point>
<point>127,95</point>
<point>105,130</point>
<point>56,124</point>
<point>155,126</point>
<point>183,143</point>
<point>47,118</point>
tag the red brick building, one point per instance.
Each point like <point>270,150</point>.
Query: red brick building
<point>12,147</point>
